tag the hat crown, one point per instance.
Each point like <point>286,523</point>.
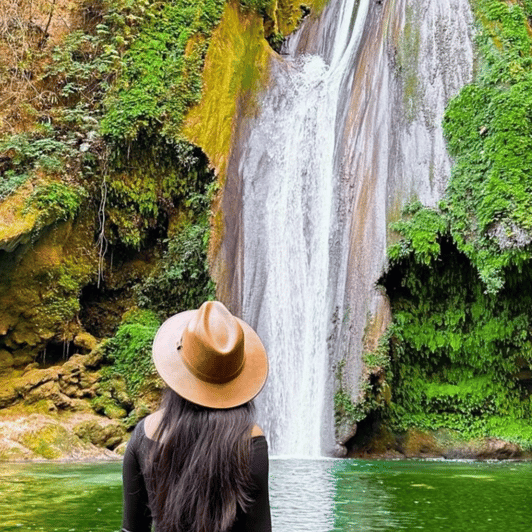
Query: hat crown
<point>212,346</point>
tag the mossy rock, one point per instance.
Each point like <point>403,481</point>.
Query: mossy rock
<point>6,359</point>
<point>85,341</point>
<point>51,441</point>
<point>417,443</point>
<point>109,407</point>
<point>121,449</point>
<point>107,435</point>
<point>8,393</point>
<point>14,452</point>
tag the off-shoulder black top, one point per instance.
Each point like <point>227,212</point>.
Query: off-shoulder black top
<point>136,515</point>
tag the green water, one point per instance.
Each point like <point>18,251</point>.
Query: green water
<point>306,495</point>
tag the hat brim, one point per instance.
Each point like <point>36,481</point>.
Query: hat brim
<point>177,376</point>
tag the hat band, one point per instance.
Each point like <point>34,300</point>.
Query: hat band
<point>212,379</point>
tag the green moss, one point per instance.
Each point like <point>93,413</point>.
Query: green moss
<point>55,202</point>
<point>457,350</point>
<point>235,69</point>
<point>407,59</point>
<point>51,441</point>
<point>130,349</point>
<point>148,187</point>
<point>181,280</point>
<point>108,406</point>
<point>43,283</point>
<point>161,71</point>
<point>27,154</point>
<point>420,231</point>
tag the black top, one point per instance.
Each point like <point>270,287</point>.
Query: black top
<point>137,517</point>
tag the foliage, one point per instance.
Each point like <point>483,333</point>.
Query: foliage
<point>421,229</point>
<point>25,154</point>
<point>260,6</point>
<point>346,410</point>
<point>161,71</point>
<point>10,182</point>
<point>374,390</point>
<point>489,131</point>
<point>149,186</point>
<point>56,201</point>
<point>130,349</point>
<point>457,351</point>
<point>85,63</point>
<point>181,281</point>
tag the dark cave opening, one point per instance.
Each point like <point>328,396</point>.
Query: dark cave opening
<point>54,353</point>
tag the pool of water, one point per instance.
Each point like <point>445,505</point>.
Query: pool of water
<point>306,495</point>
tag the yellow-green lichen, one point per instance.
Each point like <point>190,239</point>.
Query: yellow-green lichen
<point>51,441</point>
<point>235,69</point>
<point>15,225</point>
<point>40,288</point>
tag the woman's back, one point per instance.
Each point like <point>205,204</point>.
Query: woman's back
<point>137,497</point>
<point>200,464</point>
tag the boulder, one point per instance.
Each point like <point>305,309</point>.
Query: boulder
<point>94,359</point>
<point>6,359</point>
<point>73,368</point>
<point>107,406</point>
<point>419,444</point>
<point>8,394</point>
<point>23,357</point>
<point>108,435</point>
<point>345,430</point>
<point>495,449</point>
<point>34,378</point>
<point>49,391</point>
<point>85,341</point>
<point>49,440</point>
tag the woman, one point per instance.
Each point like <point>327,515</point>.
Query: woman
<point>200,464</point>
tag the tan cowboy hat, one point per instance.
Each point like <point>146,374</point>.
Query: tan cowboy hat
<point>210,357</point>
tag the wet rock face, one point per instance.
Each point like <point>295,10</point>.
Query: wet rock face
<point>434,444</point>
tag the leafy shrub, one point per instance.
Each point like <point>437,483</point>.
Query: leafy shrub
<point>56,201</point>
<point>456,350</point>
<point>130,349</point>
<point>25,153</point>
<point>182,280</point>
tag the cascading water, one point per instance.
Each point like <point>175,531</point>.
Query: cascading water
<point>289,190</point>
<point>339,144</point>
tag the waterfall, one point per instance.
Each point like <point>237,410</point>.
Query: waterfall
<point>344,137</point>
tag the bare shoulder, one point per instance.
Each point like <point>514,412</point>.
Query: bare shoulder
<point>152,422</point>
<point>256,431</point>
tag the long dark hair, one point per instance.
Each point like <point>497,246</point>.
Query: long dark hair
<point>199,473</point>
